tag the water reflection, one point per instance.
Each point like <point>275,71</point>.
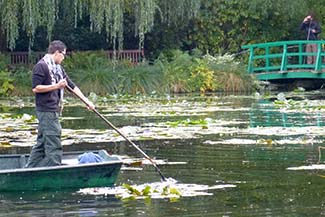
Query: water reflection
<point>264,186</point>
<point>258,168</point>
<point>263,113</point>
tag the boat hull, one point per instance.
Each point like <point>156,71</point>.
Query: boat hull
<point>103,174</point>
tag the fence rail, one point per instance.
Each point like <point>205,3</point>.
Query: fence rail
<point>26,58</point>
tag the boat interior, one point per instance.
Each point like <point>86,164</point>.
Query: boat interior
<point>17,161</point>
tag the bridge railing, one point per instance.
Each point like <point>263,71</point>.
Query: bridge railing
<point>284,56</point>
<point>26,58</point>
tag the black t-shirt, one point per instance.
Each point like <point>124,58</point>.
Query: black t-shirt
<point>49,101</point>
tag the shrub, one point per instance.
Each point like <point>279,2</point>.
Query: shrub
<point>230,75</point>
<point>176,70</point>
<point>22,81</point>
<point>175,73</point>
<point>4,62</point>
<point>186,73</point>
<point>202,79</point>
<point>6,85</point>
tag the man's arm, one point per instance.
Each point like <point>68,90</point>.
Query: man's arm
<point>47,88</point>
<point>317,29</point>
<point>78,92</point>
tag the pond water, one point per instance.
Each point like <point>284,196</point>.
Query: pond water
<point>250,145</point>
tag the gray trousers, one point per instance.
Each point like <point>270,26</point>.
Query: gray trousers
<point>48,149</point>
<point>311,48</point>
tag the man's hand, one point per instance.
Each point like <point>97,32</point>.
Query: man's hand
<point>308,18</point>
<point>62,84</point>
<point>90,105</point>
<point>81,96</point>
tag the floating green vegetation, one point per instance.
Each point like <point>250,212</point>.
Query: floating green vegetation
<point>300,105</point>
<point>146,191</point>
<point>25,117</point>
<point>158,190</point>
<point>5,144</point>
<point>298,101</point>
<point>188,122</point>
<point>146,138</point>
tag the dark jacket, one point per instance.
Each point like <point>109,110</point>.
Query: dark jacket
<point>308,27</point>
<point>49,101</point>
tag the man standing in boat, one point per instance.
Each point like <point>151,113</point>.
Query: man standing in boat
<point>48,82</point>
<point>312,29</point>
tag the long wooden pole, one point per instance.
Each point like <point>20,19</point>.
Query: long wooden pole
<point>121,134</point>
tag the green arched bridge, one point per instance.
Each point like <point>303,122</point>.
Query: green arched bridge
<point>285,60</point>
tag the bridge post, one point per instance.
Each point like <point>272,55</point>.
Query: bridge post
<point>250,61</point>
<point>300,50</point>
<point>284,58</point>
<point>318,58</point>
<point>267,59</point>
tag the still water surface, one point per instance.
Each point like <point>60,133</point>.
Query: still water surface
<point>263,185</point>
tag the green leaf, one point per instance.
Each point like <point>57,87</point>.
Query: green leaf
<point>132,190</point>
<point>146,191</point>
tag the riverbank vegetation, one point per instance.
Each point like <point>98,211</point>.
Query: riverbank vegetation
<point>173,72</point>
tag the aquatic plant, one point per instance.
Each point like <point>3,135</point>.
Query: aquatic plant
<point>291,104</point>
<point>159,190</point>
<point>134,192</point>
<point>187,122</point>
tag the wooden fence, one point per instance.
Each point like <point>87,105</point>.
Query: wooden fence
<point>25,58</point>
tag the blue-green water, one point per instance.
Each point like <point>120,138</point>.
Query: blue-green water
<point>263,185</point>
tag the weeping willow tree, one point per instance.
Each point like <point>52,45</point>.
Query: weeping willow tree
<point>104,15</point>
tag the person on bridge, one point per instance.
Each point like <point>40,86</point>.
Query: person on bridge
<point>312,29</point>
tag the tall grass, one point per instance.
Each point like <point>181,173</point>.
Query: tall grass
<point>230,75</point>
<point>173,73</point>
<point>93,72</point>
<point>176,70</point>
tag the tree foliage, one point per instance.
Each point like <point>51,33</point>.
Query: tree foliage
<point>224,25</point>
<point>104,15</point>
<point>216,26</point>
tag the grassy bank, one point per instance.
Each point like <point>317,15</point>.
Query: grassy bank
<point>173,72</point>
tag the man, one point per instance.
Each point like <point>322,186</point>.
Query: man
<point>48,82</point>
<point>312,29</point>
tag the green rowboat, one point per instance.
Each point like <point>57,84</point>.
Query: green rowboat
<point>70,175</point>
